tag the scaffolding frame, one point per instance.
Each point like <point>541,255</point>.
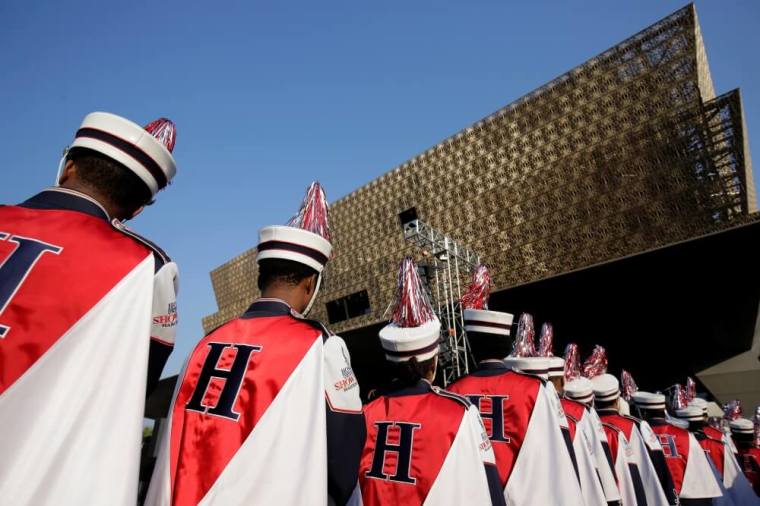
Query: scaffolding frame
<point>448,260</point>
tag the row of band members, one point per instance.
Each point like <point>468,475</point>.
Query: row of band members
<point>267,407</point>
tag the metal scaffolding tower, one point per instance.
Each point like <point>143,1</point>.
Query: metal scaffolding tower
<point>446,258</point>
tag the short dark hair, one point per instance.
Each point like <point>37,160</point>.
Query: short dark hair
<point>650,413</point>
<point>488,346</point>
<point>605,404</point>
<point>116,182</point>
<point>273,270</point>
<point>410,372</point>
<point>742,438</point>
<point>695,425</point>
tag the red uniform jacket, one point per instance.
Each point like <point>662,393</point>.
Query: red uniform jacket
<point>505,400</point>
<point>522,420</point>
<point>749,459</point>
<point>410,434</point>
<point>79,304</point>
<point>675,445</point>
<point>573,412</point>
<point>648,468</point>
<point>692,475</point>
<point>714,448</point>
<point>267,394</point>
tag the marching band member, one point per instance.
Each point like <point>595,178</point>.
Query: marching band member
<point>424,445</point>
<point>654,449</point>
<point>519,416</point>
<point>88,315</point>
<point>736,488</point>
<point>577,401</point>
<point>606,397</point>
<point>268,393</point>
<point>692,476</point>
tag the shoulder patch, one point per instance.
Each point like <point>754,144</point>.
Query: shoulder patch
<point>159,254</point>
<point>450,395</point>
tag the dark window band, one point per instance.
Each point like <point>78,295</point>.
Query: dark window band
<point>295,248</point>
<point>138,154</point>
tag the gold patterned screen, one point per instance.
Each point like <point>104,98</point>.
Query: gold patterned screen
<point>627,152</point>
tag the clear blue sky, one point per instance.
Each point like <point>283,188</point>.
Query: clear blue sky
<point>270,95</point>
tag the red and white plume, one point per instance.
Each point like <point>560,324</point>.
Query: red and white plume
<point>679,400</point>
<point>313,214</point>
<point>596,363</point>
<point>479,290</point>
<point>412,307</point>
<point>691,389</point>
<point>732,410</point>
<point>628,385</point>
<point>572,362</point>
<point>164,130</point>
<point>524,345</point>
<point>546,341</point>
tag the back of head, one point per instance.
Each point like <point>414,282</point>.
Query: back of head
<point>110,180</point>
<point>696,425</point>
<point>120,163</point>
<point>613,404</point>
<point>409,373</point>
<point>648,414</point>
<point>487,346</point>
<point>283,273</point>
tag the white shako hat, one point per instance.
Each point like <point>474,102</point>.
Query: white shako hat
<point>556,366</point>
<point>523,357</point>
<point>699,403</point>
<point>580,389</point>
<point>484,321</point>
<point>678,422</point>
<point>606,387</point>
<point>538,366</point>
<point>145,151</point>
<point>742,426</point>
<point>414,330</point>
<point>306,237</point>
<point>648,400</point>
<point>477,318</point>
<point>690,413</point>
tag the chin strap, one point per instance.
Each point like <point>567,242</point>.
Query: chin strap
<point>314,295</point>
<point>61,165</point>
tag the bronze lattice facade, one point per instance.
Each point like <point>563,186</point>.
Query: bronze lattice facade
<point>628,152</point>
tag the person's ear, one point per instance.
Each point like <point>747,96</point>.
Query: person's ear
<point>312,285</point>
<point>69,171</point>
